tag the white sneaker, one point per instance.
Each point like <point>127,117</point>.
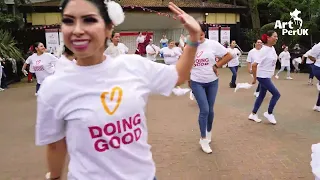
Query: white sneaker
<point>256,94</point>
<point>289,78</point>
<point>205,146</point>
<point>1,89</point>
<point>318,86</point>
<point>316,108</point>
<point>208,136</point>
<point>276,76</point>
<point>191,96</point>
<point>270,118</point>
<point>254,117</point>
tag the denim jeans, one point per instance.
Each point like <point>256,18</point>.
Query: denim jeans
<point>266,85</point>
<point>234,71</point>
<point>310,67</point>
<point>316,72</point>
<point>37,87</point>
<point>205,94</point>
<point>258,88</point>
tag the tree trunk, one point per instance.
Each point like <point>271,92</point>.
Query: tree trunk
<point>253,6</point>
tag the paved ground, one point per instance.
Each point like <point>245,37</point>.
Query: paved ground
<point>242,150</point>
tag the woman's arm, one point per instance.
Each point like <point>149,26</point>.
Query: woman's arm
<point>224,60</point>
<point>56,154</point>
<point>254,72</point>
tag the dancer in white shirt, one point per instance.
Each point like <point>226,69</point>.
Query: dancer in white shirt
<point>314,56</point>
<point>170,54</point>
<point>96,110</point>
<point>234,63</point>
<point>263,69</point>
<point>116,47</point>
<point>310,64</point>
<point>204,83</point>
<point>252,55</point>
<point>42,63</point>
<point>152,51</point>
<point>284,58</point>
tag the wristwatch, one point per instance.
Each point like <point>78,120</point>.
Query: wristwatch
<point>48,177</point>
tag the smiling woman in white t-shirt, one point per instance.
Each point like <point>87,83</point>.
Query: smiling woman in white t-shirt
<point>116,48</point>
<point>170,54</point>
<point>41,63</point>
<point>263,69</point>
<point>234,63</point>
<point>204,83</point>
<point>96,109</point>
<point>314,56</point>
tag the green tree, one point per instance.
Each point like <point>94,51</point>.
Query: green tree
<point>8,46</point>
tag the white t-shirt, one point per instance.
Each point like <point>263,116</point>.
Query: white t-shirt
<point>115,51</point>
<point>100,111</point>
<point>252,55</point>
<point>207,52</point>
<point>308,61</point>
<point>43,65</point>
<point>151,48</point>
<point>140,39</point>
<point>235,57</point>
<point>170,56</point>
<point>64,63</point>
<point>179,49</point>
<point>315,52</point>
<point>267,60</point>
<point>284,58</point>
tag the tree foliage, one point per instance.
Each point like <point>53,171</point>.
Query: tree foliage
<point>8,46</point>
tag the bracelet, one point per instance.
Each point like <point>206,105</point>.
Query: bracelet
<point>192,44</point>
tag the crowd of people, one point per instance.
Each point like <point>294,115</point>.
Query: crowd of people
<point>83,93</point>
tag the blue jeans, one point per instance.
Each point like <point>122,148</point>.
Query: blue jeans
<point>266,85</point>
<point>205,94</point>
<point>258,88</point>
<point>37,87</point>
<point>316,72</point>
<point>310,67</point>
<point>234,71</point>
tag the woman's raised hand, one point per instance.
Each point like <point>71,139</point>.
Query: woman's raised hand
<point>189,23</point>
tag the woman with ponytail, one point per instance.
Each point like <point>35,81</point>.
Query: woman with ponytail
<point>263,69</point>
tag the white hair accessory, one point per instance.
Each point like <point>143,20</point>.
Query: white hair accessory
<point>115,12</point>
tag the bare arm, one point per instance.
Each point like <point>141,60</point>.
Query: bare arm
<point>24,67</point>
<point>254,72</point>
<point>224,60</point>
<point>56,154</point>
<point>312,58</point>
<point>249,67</point>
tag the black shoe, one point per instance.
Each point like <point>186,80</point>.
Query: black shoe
<point>231,85</point>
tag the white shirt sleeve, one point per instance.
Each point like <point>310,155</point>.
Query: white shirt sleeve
<point>49,127</point>
<point>260,56</point>
<point>249,58</point>
<point>28,61</point>
<point>315,51</point>
<point>162,78</point>
<point>220,50</point>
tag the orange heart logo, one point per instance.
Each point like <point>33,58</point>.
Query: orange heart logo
<point>118,101</point>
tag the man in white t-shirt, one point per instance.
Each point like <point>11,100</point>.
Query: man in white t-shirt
<point>116,48</point>
<point>252,55</point>
<point>234,63</point>
<point>152,51</point>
